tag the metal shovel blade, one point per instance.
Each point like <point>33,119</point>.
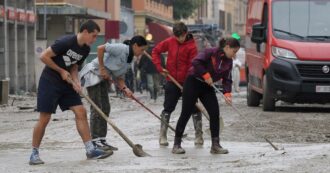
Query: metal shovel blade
<point>138,151</point>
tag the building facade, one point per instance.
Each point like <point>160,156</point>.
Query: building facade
<point>229,15</point>
<point>154,17</point>
<point>126,23</point>
<point>235,19</point>
<point>17,38</point>
<point>62,17</point>
<point>59,17</point>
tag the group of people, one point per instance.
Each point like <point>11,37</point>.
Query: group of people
<point>60,84</point>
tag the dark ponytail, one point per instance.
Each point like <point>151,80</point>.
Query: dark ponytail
<point>138,39</point>
<point>231,42</point>
<point>127,42</point>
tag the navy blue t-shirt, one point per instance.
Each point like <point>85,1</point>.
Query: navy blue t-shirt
<point>68,53</point>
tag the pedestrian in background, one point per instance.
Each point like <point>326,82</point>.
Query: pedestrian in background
<point>146,65</point>
<point>236,73</point>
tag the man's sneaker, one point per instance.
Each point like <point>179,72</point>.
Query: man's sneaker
<point>35,159</point>
<point>103,145</point>
<point>98,154</point>
<point>104,142</point>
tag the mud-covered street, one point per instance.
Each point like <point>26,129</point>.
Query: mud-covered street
<point>301,132</point>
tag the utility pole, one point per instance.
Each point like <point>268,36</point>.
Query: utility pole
<point>6,42</point>
<point>45,19</point>
<point>105,20</point>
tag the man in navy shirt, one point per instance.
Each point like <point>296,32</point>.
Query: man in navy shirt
<point>62,60</point>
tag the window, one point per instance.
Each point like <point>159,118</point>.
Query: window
<point>222,19</point>
<point>229,28</point>
<point>301,20</point>
<point>126,3</point>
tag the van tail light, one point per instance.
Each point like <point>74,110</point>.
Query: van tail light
<point>283,53</point>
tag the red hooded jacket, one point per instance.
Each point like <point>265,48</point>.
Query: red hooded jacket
<point>179,56</point>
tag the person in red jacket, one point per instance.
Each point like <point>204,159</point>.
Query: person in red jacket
<point>181,49</point>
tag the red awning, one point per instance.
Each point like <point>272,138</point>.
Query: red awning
<point>159,32</point>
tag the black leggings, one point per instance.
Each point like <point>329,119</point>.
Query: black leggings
<point>192,90</point>
<point>172,95</point>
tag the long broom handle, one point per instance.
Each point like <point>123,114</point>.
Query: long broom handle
<point>129,142</point>
<point>135,99</point>
<point>199,107</point>
<point>237,111</point>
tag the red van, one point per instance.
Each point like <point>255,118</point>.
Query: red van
<point>287,52</point>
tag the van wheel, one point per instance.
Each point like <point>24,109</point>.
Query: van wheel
<point>268,100</point>
<point>252,97</point>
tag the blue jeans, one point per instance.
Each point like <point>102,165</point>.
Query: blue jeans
<point>153,84</point>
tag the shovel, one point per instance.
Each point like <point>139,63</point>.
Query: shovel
<point>137,148</point>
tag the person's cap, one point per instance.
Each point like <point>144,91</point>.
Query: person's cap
<point>236,36</point>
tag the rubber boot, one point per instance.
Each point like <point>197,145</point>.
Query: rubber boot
<point>216,148</point>
<point>197,119</point>
<point>163,129</point>
<point>177,149</point>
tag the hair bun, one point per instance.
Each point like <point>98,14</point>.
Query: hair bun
<point>127,42</point>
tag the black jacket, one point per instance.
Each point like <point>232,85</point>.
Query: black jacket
<point>146,65</point>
